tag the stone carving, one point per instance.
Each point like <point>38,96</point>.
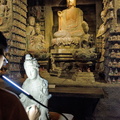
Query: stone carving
<point>5,14</point>
<point>100,37</point>
<point>54,68</point>
<point>37,40</point>
<point>30,30</point>
<point>36,86</point>
<point>71,21</point>
<point>85,53</point>
<point>101,29</point>
<point>3,9</point>
<point>37,45</point>
<point>72,27</point>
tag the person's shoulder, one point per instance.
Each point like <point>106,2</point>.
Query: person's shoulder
<point>8,94</point>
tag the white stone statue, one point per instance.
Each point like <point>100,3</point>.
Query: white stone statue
<point>36,86</point>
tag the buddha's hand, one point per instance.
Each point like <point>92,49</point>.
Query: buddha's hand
<point>59,13</point>
<point>32,112</point>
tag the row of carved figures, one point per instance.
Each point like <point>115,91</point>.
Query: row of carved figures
<point>114,64</point>
<point>114,80</point>
<point>114,54</point>
<point>113,72</point>
<point>116,46</point>
<point>14,75</point>
<point>114,38</point>
<point>14,67</point>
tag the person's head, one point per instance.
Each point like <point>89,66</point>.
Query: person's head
<point>31,20</point>
<point>71,3</point>
<point>3,47</point>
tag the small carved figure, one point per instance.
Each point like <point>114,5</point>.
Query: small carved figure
<point>30,30</point>
<point>85,53</point>
<point>118,64</point>
<point>37,45</point>
<point>113,54</point>
<point>114,63</point>
<point>36,86</point>
<point>37,41</point>
<point>101,30</point>
<point>88,70</point>
<point>111,72</point>
<point>116,46</point>
<point>116,72</point>
<point>118,54</point>
<point>100,36</point>
<point>54,67</point>
<point>111,5</point>
<point>111,14</point>
<point>110,64</point>
<point>3,11</point>
<point>114,38</point>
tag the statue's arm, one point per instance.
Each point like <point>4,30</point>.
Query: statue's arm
<point>59,13</point>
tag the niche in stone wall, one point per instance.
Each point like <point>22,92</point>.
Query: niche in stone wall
<point>118,16</point>
<point>89,14</point>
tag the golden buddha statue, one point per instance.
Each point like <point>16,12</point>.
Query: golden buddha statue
<point>71,23</point>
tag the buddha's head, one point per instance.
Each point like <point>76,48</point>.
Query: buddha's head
<point>31,20</point>
<point>71,3</point>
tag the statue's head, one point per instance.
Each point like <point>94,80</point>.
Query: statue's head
<point>37,28</point>
<point>71,3</point>
<point>3,2</point>
<point>31,67</point>
<point>31,20</point>
<point>103,15</point>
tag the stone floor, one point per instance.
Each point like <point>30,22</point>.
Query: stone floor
<point>108,108</point>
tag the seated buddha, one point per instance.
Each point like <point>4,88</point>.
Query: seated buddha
<point>71,23</point>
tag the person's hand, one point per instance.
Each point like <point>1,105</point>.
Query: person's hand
<point>32,112</point>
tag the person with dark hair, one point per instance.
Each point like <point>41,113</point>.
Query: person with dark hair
<point>10,105</point>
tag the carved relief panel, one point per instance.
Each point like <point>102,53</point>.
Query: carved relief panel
<point>5,15</point>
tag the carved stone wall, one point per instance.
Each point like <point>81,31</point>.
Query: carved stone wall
<point>112,49</point>
<point>14,28</point>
